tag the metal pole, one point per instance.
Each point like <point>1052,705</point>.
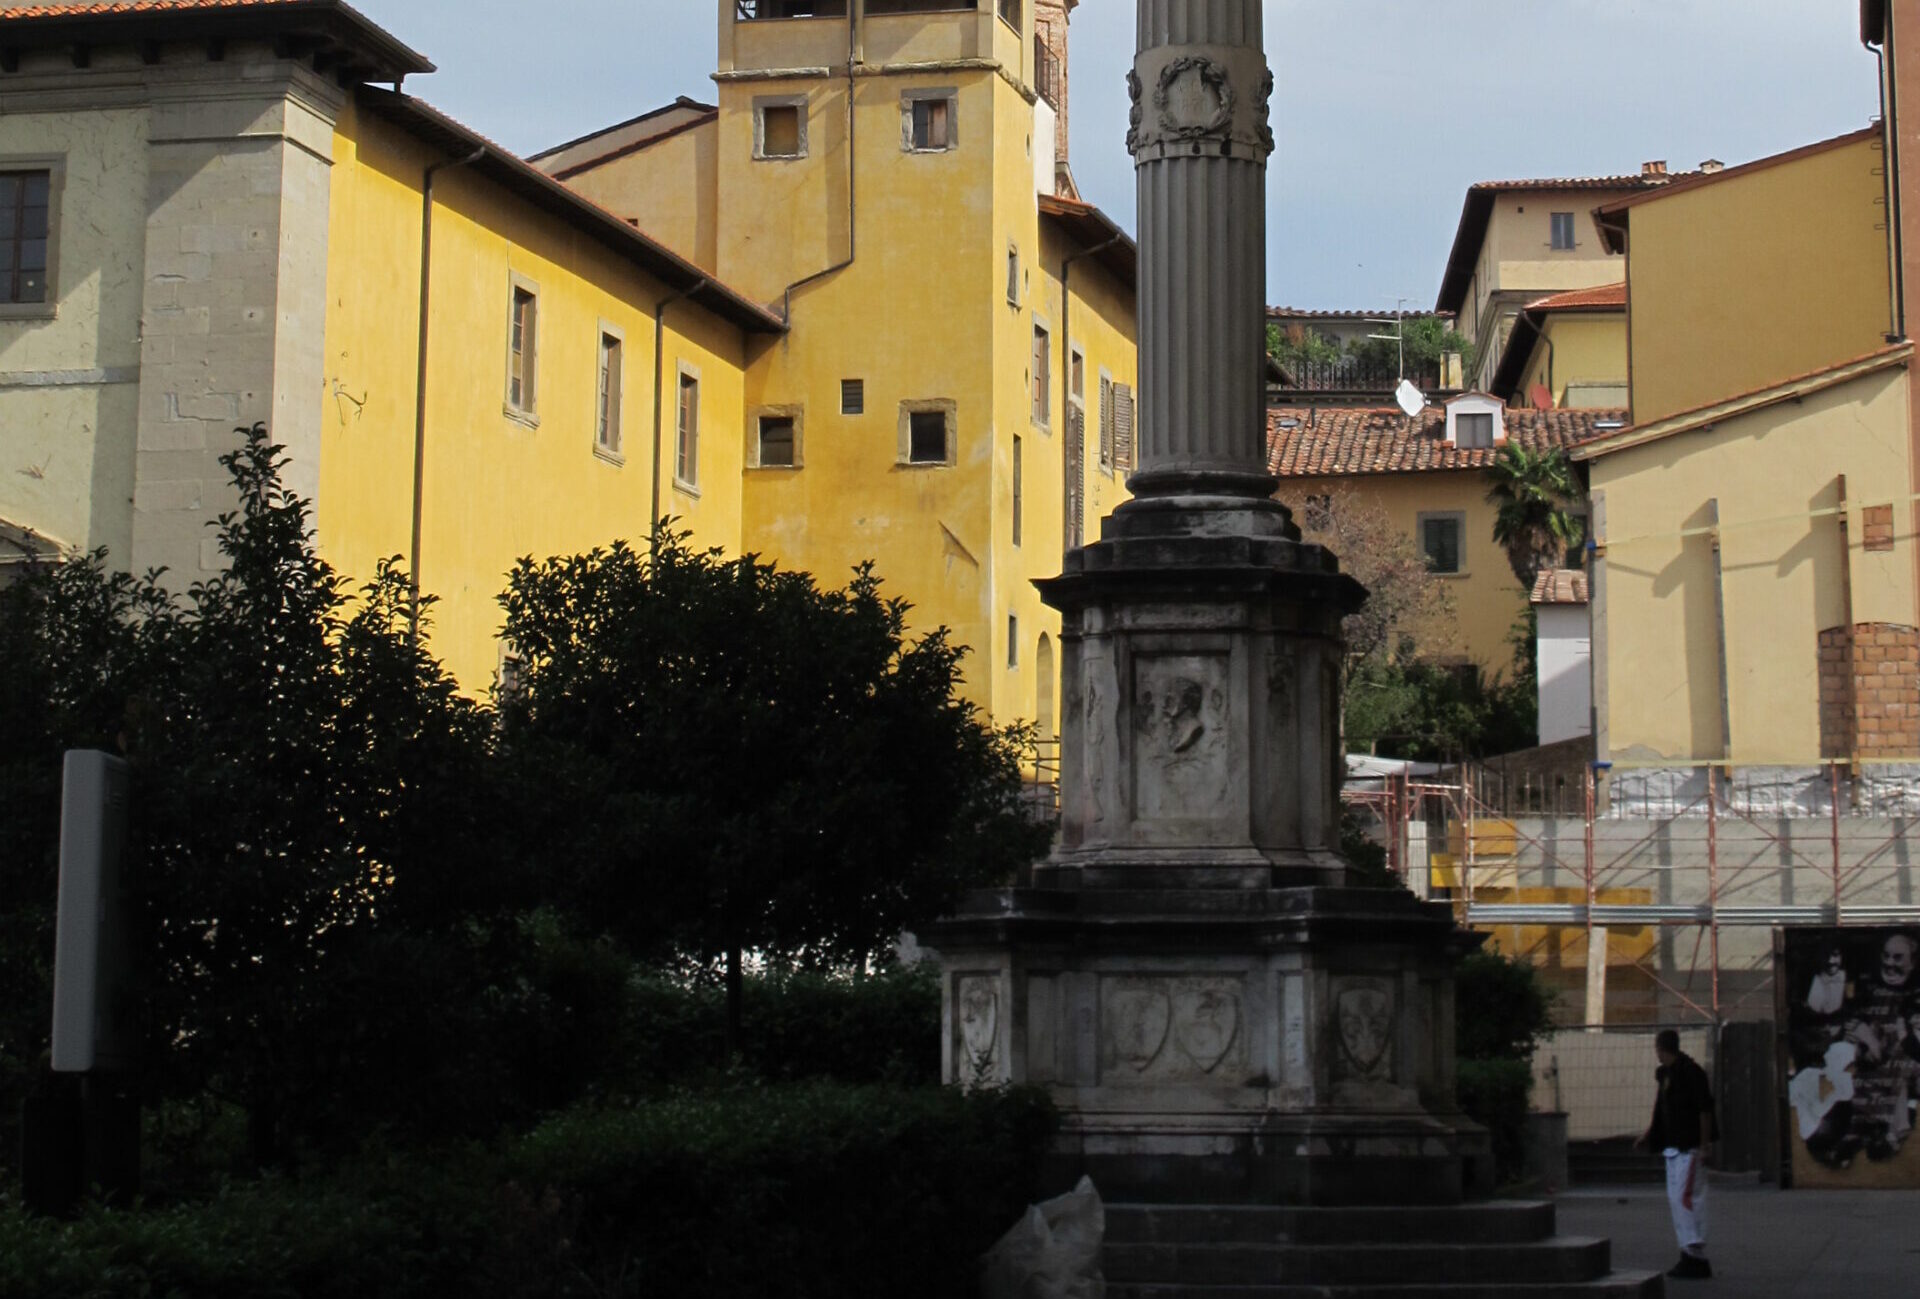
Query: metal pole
<point>1713,882</point>
<point>1834,772</point>
<point>1596,941</point>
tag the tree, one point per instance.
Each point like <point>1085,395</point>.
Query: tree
<point>1298,343</point>
<point>310,830</point>
<point>1427,339</point>
<point>731,759</point>
<point>1532,490</point>
<point>1408,610</point>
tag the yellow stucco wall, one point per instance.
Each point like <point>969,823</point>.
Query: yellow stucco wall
<point>1781,570</point>
<point>1754,278</point>
<point>67,468</point>
<point>1585,348</point>
<point>681,215</point>
<point>496,487</point>
<point>1486,596</point>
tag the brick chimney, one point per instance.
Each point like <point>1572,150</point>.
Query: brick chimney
<point>1050,34</point>
<point>1653,170</point>
<point>1713,166</point>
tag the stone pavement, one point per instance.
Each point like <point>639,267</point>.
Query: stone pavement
<point>1765,1243</point>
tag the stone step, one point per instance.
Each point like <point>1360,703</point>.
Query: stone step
<point>1503,1223</point>
<point>1621,1285</point>
<point>1557,1259</point>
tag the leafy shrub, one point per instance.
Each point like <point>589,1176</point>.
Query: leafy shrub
<point>1502,1010</point>
<point>1494,1093</point>
<point>809,1191</point>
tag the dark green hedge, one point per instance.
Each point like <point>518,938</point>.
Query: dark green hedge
<point>809,1192</point>
<point>1494,1093</point>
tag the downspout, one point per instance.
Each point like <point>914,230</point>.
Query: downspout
<point>659,351</point>
<point>1066,368</point>
<point>420,379</point>
<point>1896,234</point>
<point>856,14</point>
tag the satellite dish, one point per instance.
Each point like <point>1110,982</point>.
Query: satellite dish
<point>1410,398</point>
<point>1540,396</point>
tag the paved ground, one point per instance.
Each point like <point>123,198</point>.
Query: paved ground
<point>1766,1244</point>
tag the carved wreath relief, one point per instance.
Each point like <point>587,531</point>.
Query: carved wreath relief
<point>1194,98</point>
<point>1364,1027</point>
<point>1180,748</point>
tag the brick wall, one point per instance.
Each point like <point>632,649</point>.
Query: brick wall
<point>1870,707</point>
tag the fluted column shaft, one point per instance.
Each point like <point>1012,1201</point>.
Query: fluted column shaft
<point>1200,141</point>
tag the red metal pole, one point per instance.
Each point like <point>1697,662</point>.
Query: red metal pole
<point>1713,882</point>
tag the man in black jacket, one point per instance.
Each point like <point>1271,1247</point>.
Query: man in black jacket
<point>1682,1130</point>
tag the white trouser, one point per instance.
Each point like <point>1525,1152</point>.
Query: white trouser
<point>1689,1224</point>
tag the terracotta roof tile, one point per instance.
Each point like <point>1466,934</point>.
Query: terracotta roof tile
<point>1340,441</point>
<point>1559,586</point>
<point>1602,296</point>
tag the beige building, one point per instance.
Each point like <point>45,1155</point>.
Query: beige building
<point>1519,240</point>
<point>1429,475</point>
<point>1567,350</point>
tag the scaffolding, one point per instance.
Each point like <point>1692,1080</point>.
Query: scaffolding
<point>1857,863</point>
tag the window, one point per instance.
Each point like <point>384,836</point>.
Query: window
<point>1042,371</point>
<point>1563,230</point>
<point>523,348</point>
<point>1010,13</point>
<point>607,418</point>
<point>510,675</point>
<point>853,397</point>
<point>777,442</point>
<point>1106,423</point>
<point>780,127</point>
<point>929,120</point>
<point>1077,375</point>
<point>1018,488</point>
<point>26,207</point>
<point>927,437</point>
<point>1440,538</point>
<point>1013,275</point>
<point>1473,431</point>
<point>1013,641</point>
<point>686,447</point>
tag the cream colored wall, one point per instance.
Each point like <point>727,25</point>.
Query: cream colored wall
<point>1577,348</point>
<point>1756,278</point>
<point>69,382</point>
<point>1521,236</point>
<point>1781,571</point>
<point>495,488</point>
<point>1486,596</point>
<point>680,215</point>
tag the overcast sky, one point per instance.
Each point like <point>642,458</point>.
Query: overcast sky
<point>1386,110</point>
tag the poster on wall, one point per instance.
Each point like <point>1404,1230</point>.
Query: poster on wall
<point>1853,1055</point>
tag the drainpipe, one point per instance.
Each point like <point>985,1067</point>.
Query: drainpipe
<point>420,378</point>
<point>659,350</point>
<point>1896,235</point>
<point>856,15</point>
<point>1066,369</point>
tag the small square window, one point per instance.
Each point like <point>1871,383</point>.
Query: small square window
<point>1563,231</point>
<point>1440,537</point>
<point>931,121</point>
<point>777,442</point>
<point>1473,432</point>
<point>780,129</point>
<point>927,437</point>
<point>853,397</point>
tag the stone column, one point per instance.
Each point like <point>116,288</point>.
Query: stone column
<point>1200,142</point>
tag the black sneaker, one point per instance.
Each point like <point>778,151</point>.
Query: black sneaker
<point>1691,1268</point>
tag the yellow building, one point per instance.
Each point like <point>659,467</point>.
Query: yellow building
<point>1519,240</point>
<point>1568,350</point>
<point>954,395</point>
<point>1754,591</point>
<point>1429,476</point>
<point>1742,278</point>
<point>470,359</point>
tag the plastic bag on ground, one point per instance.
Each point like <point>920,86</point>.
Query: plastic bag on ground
<point>1053,1252</point>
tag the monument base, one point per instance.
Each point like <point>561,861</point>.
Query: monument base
<point>1281,1046</point>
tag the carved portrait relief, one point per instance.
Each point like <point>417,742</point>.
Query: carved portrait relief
<point>1181,754</point>
<point>1364,1025</point>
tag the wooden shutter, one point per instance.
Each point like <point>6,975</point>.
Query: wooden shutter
<point>1106,423</point>
<point>1123,427</point>
<point>1076,494</point>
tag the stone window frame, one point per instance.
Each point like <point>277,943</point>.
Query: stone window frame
<point>1459,519</point>
<point>55,165</point>
<point>527,411</point>
<point>1040,375</point>
<point>616,453</point>
<point>1107,425</point>
<point>797,414</point>
<point>761,103</point>
<point>924,94</point>
<point>922,406</point>
<point>685,370</point>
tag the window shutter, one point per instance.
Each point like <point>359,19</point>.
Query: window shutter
<point>1076,478</point>
<point>1106,423</point>
<point>1123,427</point>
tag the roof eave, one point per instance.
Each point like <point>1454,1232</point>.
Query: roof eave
<point>1475,214</point>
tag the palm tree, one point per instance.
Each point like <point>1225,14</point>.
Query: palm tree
<point>1533,489</point>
